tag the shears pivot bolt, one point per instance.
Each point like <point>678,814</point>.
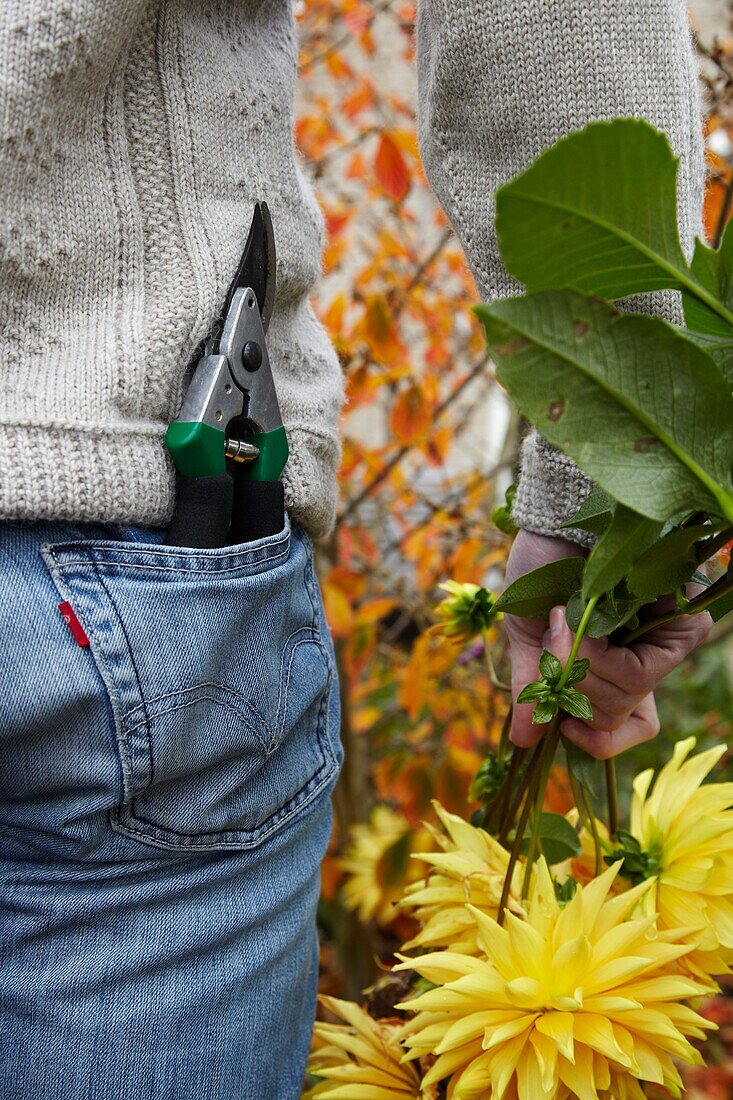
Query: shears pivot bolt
<point>238,450</point>
<point>252,356</point>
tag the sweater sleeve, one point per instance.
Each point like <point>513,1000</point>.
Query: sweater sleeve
<point>499,81</point>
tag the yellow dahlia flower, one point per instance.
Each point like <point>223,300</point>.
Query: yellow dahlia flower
<point>471,868</point>
<point>466,612</point>
<point>685,831</point>
<point>378,865</point>
<point>571,1002</point>
<point>360,1059</point>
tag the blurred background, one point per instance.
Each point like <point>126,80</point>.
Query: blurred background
<point>430,446</point>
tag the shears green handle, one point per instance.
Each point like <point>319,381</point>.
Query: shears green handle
<point>199,450</point>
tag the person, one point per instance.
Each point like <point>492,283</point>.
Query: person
<point>169,737</point>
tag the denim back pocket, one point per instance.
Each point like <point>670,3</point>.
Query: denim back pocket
<point>220,676</point>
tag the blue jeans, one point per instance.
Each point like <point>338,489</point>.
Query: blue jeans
<point>164,809</point>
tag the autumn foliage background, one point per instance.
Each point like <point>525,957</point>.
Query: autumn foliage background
<point>430,445</point>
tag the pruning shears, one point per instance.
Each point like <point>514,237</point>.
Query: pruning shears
<point>228,442</point>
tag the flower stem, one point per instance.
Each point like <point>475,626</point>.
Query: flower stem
<point>700,603</point>
<point>549,748</point>
<point>504,735</point>
<point>537,776</point>
<point>593,830</point>
<point>496,682</point>
<point>579,635</point>
<point>612,795</point>
<point>517,844</point>
<point>513,807</point>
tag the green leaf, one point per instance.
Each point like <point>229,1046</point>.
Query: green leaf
<point>578,672</point>
<point>625,540</point>
<point>544,711</point>
<point>576,704</point>
<point>598,212</point>
<point>724,604</point>
<point>550,667</point>
<point>534,595</point>
<point>720,607</point>
<point>595,512</point>
<point>611,612</point>
<point>502,516</point>
<point>670,562</point>
<point>533,692</point>
<point>558,839</point>
<point>719,348</point>
<point>488,779</point>
<point>713,269</point>
<point>642,410</point>
<point>587,769</point>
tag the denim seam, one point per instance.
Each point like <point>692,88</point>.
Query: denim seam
<point>309,580</point>
<point>248,838</point>
<point>188,570</point>
<point>97,653</point>
<point>128,643</point>
<point>194,687</point>
<point>192,842</point>
<point>166,551</point>
<point>282,703</point>
<point>186,691</point>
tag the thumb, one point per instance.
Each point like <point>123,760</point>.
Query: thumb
<point>525,654</point>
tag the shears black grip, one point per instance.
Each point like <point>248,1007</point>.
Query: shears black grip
<point>258,511</point>
<point>203,512</point>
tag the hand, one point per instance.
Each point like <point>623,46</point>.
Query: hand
<point>621,680</point>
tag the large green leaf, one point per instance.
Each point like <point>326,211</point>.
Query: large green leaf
<point>625,540</point>
<point>719,348</point>
<point>534,595</point>
<point>598,212</point>
<point>669,563</point>
<point>642,410</point>
<point>713,269</point>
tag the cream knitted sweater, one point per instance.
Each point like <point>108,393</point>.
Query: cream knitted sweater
<point>135,136</point>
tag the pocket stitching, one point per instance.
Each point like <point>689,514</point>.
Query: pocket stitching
<point>147,721</point>
<point>195,842</point>
<point>92,562</point>
<point>275,743</point>
<point>158,549</point>
<point>149,700</point>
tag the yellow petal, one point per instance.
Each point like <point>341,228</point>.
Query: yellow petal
<point>558,1026</point>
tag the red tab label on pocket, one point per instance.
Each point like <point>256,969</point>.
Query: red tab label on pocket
<point>74,625</point>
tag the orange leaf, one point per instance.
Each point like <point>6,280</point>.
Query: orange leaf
<point>356,169</point>
<point>391,169</point>
<point>379,326</point>
<point>338,610</point>
<point>358,101</point>
<point>333,317</point>
<point>374,610</point>
<point>410,417</point>
<point>337,67</point>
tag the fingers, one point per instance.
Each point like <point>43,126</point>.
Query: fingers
<point>641,725</point>
<point>662,649</point>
